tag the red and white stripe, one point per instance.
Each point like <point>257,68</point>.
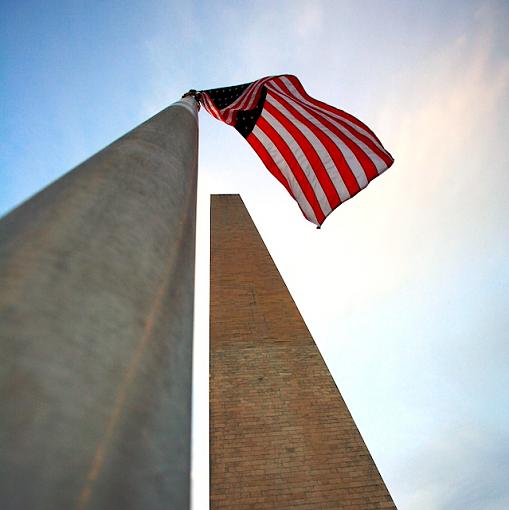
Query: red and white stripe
<point>209,105</point>
<point>322,155</point>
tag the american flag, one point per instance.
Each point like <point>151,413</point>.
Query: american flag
<point>322,155</point>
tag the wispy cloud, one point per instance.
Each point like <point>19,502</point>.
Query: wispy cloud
<point>465,467</point>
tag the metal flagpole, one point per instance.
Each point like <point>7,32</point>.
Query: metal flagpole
<point>96,318</point>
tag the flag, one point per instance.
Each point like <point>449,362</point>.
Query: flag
<point>322,155</point>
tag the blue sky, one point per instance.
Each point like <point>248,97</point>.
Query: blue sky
<point>406,288</point>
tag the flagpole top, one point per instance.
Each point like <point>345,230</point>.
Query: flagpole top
<point>195,95</point>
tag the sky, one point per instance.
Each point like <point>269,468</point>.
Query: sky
<point>406,287</point>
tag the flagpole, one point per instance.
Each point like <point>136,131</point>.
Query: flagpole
<point>96,324</point>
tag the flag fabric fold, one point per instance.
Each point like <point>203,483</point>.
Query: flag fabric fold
<point>322,155</point>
